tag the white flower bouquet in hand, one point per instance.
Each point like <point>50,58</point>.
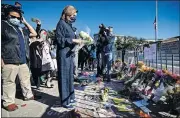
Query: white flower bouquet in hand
<point>86,38</point>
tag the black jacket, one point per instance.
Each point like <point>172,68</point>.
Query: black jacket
<point>36,54</point>
<point>10,45</point>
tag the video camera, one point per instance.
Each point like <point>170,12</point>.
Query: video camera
<point>103,39</point>
<point>103,30</point>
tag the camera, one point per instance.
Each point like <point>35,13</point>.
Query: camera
<point>103,35</point>
<point>103,30</point>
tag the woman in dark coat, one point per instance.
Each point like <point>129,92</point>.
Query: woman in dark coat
<point>66,41</point>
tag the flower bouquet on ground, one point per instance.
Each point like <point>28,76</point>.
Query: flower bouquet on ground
<point>143,68</point>
<point>86,38</point>
<point>140,64</point>
<point>166,72</point>
<point>177,85</point>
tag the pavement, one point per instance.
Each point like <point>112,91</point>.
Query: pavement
<point>49,105</point>
<point>36,108</point>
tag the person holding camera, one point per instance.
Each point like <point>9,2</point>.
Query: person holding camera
<point>14,56</point>
<point>107,49</point>
<point>66,41</point>
<point>104,51</point>
<point>100,53</point>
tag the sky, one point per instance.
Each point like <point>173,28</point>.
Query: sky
<point>126,17</point>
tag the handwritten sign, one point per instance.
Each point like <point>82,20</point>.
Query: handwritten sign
<point>150,53</point>
<point>170,47</point>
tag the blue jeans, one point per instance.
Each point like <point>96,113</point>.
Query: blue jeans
<point>107,63</point>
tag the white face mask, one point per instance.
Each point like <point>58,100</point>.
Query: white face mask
<point>14,21</point>
<point>43,36</point>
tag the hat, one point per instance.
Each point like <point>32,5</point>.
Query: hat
<point>15,9</point>
<point>17,4</point>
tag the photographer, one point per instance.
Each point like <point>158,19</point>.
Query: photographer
<point>99,53</point>
<point>104,51</point>
<point>107,49</point>
<point>13,56</point>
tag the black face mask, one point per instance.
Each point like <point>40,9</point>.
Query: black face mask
<point>73,19</point>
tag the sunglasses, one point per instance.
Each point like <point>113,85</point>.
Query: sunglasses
<point>19,18</point>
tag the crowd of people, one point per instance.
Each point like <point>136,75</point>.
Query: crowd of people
<point>29,53</point>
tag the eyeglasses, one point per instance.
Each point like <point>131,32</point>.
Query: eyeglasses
<point>19,18</point>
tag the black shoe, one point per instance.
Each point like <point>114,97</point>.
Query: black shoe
<point>37,97</point>
<point>42,83</point>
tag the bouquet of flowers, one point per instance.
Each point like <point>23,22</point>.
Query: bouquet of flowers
<point>86,38</point>
<point>140,64</point>
<point>166,72</point>
<point>143,68</point>
<point>35,20</point>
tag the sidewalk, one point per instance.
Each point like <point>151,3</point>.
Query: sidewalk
<point>37,108</point>
<point>49,105</point>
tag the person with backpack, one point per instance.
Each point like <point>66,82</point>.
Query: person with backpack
<point>36,58</point>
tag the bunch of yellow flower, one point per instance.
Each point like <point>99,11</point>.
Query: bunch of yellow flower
<point>166,72</point>
<point>153,70</point>
<point>140,64</point>
<point>143,68</point>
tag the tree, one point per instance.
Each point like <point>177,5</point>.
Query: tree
<point>51,35</point>
<point>124,43</point>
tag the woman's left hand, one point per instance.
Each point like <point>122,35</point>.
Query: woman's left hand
<point>24,20</point>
